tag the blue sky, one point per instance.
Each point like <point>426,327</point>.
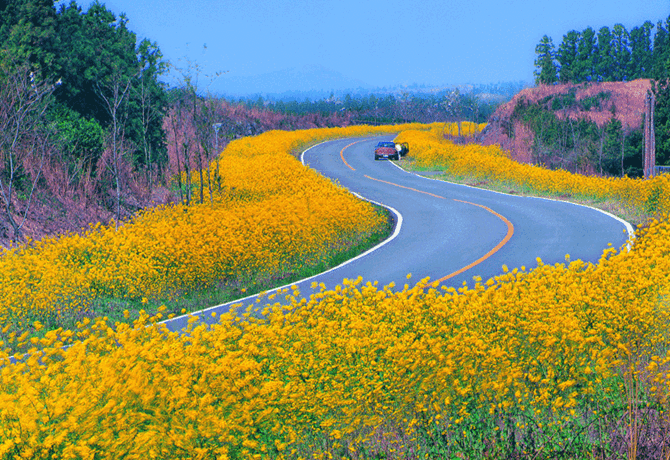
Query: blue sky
<point>381,43</point>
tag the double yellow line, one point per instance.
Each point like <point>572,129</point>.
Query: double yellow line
<point>508,236</point>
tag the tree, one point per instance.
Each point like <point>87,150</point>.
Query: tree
<point>113,91</point>
<point>80,141</point>
<point>545,65</point>
<point>661,89</point>
<point>452,105</point>
<point>91,47</point>
<point>611,156</point>
<point>604,58</point>
<point>27,32</point>
<point>567,56</point>
<point>94,46</point>
<point>620,53</point>
<point>24,136</point>
<point>202,116</point>
<point>585,64</point>
<point>641,52</point>
<point>150,97</point>
<point>661,50</point>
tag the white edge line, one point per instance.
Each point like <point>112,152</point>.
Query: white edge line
<point>626,224</point>
<point>396,232</point>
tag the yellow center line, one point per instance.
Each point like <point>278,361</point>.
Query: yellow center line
<point>510,232</point>
<point>503,242</point>
<point>408,188</point>
<point>342,154</point>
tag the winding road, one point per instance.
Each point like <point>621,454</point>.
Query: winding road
<point>448,232</point>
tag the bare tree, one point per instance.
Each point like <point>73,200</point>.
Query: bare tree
<point>452,105</point>
<point>113,92</point>
<point>150,65</point>
<point>24,137</point>
<point>202,116</point>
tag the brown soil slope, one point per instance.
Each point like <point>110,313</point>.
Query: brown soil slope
<point>625,102</point>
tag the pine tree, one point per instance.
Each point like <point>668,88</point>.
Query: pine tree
<point>621,53</point>
<point>605,61</point>
<point>641,51</point>
<point>545,66</point>
<point>585,65</point>
<point>567,56</point>
<point>661,50</point>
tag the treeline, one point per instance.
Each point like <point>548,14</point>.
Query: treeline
<point>473,104</point>
<point>89,132</point>
<point>607,55</point>
<point>77,90</point>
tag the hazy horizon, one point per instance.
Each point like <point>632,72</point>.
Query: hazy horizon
<point>380,44</point>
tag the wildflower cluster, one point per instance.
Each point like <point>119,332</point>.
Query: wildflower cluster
<point>537,354</point>
<point>264,215</point>
<point>548,361</point>
<point>491,163</point>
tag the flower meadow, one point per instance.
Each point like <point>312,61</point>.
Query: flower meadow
<point>266,216</point>
<point>562,361</point>
<point>430,149</point>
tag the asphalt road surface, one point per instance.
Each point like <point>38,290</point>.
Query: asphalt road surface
<point>449,232</point>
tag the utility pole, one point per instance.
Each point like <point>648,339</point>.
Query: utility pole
<point>649,136</point>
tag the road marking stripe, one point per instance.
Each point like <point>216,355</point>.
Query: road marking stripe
<point>510,232</point>
<point>408,188</point>
<point>342,154</point>
<point>503,242</point>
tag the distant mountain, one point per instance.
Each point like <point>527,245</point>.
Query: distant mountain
<point>313,81</point>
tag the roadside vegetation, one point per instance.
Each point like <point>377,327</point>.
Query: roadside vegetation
<point>567,361</point>
<point>441,154</point>
<point>264,220</point>
<point>563,361</point>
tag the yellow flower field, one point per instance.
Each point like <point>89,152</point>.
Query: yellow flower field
<point>423,365</point>
<point>561,361</point>
<point>267,215</point>
<point>431,149</point>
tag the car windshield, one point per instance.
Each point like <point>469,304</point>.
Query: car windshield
<point>386,144</point>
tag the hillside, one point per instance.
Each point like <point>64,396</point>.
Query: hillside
<point>567,105</point>
<point>63,202</point>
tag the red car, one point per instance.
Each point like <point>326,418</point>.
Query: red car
<point>386,150</point>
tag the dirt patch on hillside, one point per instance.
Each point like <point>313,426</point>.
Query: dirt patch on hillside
<point>597,102</point>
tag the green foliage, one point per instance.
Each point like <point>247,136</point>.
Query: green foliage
<point>621,53</point>
<point>661,51</point>
<point>661,90</point>
<point>579,145</point>
<point>604,59</point>
<point>641,51</point>
<point>27,31</point>
<point>567,56</point>
<point>80,139</point>
<point>87,51</point>
<point>595,101</point>
<point>546,72</point>
<point>586,55</point>
<point>617,55</point>
<point>610,55</point>
<point>564,101</point>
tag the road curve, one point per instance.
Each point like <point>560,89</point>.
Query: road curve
<point>449,232</point>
